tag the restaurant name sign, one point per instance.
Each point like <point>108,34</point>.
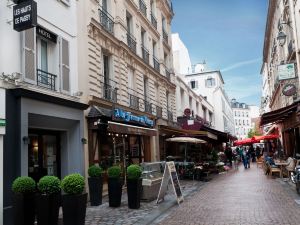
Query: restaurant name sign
<point>129,117</point>
<point>289,90</point>
<point>286,71</point>
<point>25,15</point>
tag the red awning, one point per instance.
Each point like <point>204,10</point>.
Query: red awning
<point>255,139</point>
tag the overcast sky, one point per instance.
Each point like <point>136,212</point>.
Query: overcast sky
<point>228,35</point>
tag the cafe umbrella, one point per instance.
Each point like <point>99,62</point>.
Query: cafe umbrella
<point>186,140</point>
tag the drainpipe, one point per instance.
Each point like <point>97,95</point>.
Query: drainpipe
<point>294,28</point>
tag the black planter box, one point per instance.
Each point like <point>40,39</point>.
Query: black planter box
<point>134,190</point>
<point>47,208</point>
<point>24,209</point>
<point>114,192</point>
<point>95,188</point>
<point>74,209</point>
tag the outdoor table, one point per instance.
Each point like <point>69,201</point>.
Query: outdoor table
<point>281,164</point>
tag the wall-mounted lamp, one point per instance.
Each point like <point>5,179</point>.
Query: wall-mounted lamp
<point>84,141</point>
<point>281,38</point>
<point>25,140</point>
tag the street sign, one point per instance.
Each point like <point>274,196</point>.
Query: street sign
<point>289,90</point>
<point>170,174</point>
<point>25,15</point>
<point>286,71</point>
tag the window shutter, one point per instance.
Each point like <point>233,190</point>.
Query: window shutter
<point>64,65</point>
<point>29,59</point>
<point>213,82</point>
<point>196,84</point>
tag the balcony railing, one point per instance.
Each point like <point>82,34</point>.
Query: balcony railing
<point>170,115</point>
<point>109,93</point>
<point>134,102</point>
<point>156,64</point>
<point>153,21</point>
<point>145,54</point>
<point>147,106</point>
<point>131,42</point>
<point>158,112</point>
<point>46,80</point>
<point>143,7</point>
<point>170,5</point>
<point>168,75</point>
<point>106,20</point>
<point>165,36</point>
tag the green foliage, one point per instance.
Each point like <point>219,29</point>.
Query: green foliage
<point>49,185</point>
<point>114,172</point>
<point>215,156</point>
<point>24,185</point>
<point>95,171</point>
<point>253,132</point>
<point>134,171</point>
<point>73,184</point>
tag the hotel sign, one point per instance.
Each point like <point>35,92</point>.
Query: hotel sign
<point>25,15</point>
<point>120,114</point>
<point>46,34</point>
<point>286,71</point>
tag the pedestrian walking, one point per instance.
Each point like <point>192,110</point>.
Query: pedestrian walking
<point>245,158</point>
<point>228,153</point>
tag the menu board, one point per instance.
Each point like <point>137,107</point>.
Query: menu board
<point>170,174</point>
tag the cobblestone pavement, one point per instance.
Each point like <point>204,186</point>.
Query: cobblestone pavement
<point>103,214</point>
<point>243,197</point>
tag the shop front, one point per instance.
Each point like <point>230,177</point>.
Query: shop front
<point>2,133</point>
<point>119,137</point>
<point>43,137</point>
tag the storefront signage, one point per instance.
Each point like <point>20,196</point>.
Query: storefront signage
<point>170,174</point>
<point>46,34</point>
<point>289,90</point>
<point>129,117</point>
<point>187,112</point>
<point>25,15</point>
<point>286,71</point>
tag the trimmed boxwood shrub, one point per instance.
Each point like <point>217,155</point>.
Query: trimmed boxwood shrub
<point>95,171</point>
<point>114,172</point>
<point>49,185</point>
<point>73,184</point>
<point>134,171</point>
<point>24,185</point>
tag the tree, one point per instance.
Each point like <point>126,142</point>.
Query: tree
<point>253,132</point>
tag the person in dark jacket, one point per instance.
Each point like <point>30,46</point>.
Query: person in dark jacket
<point>228,153</point>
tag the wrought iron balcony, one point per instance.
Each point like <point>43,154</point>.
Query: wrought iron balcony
<point>147,106</point>
<point>168,75</point>
<point>143,7</point>
<point>106,20</point>
<point>131,42</point>
<point>145,54</point>
<point>154,21</point>
<point>165,35</point>
<point>109,93</point>
<point>46,80</point>
<point>158,112</point>
<point>134,102</point>
<point>156,64</point>
<point>170,115</point>
<point>170,5</point>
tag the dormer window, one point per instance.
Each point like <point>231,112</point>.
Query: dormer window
<point>194,84</point>
<point>210,82</point>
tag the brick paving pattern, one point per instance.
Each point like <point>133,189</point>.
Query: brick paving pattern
<point>244,197</point>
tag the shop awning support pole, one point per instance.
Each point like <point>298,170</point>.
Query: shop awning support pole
<point>124,161</point>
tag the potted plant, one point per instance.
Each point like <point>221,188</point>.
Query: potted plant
<point>114,186</point>
<point>74,200</point>
<point>24,189</point>
<point>48,200</point>
<point>95,184</point>
<point>134,186</point>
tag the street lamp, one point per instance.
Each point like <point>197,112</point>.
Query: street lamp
<point>281,38</point>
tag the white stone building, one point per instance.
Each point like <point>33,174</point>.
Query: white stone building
<point>45,118</point>
<point>243,115</point>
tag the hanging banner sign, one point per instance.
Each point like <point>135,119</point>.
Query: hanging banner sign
<point>289,90</point>
<point>25,15</point>
<point>286,71</point>
<point>170,174</point>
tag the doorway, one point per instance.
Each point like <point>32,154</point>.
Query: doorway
<point>43,154</point>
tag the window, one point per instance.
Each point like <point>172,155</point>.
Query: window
<point>145,87</point>
<point>204,113</point>
<point>106,71</point>
<point>143,37</point>
<point>190,103</point>
<point>210,117</point>
<point>210,82</point>
<point>129,23</point>
<point>104,5</point>
<point>154,48</point>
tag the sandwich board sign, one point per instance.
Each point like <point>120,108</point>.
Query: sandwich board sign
<point>170,174</point>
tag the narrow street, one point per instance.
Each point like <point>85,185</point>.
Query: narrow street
<point>240,197</point>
